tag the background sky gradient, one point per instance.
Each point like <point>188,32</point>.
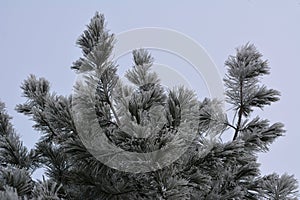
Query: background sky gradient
<point>38,37</point>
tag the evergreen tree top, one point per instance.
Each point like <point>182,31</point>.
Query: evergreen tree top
<point>143,118</point>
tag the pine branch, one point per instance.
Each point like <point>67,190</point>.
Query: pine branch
<point>18,179</point>
<point>96,43</point>
<point>12,150</point>
<point>243,90</point>
<point>240,114</point>
<point>259,134</point>
<point>279,187</point>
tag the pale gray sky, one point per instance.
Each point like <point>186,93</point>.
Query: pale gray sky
<point>38,37</point>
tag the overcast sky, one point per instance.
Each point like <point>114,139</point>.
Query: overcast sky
<point>38,37</point>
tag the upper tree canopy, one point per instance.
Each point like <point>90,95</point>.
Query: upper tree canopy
<point>143,117</point>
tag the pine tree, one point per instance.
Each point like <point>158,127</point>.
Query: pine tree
<point>208,169</point>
